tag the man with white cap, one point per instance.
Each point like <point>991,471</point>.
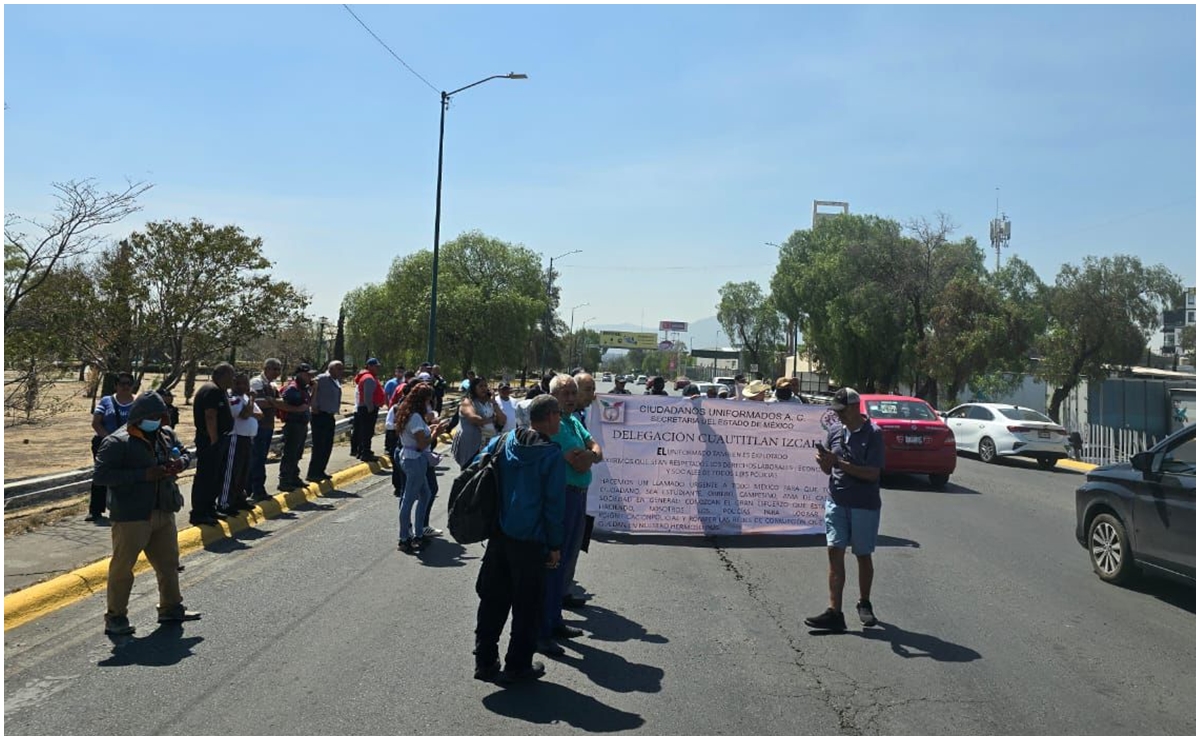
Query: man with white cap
<point>852,457</point>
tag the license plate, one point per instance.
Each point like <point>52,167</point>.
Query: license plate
<point>917,440</point>
<point>1043,435</point>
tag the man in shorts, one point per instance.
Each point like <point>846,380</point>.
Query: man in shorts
<point>852,457</point>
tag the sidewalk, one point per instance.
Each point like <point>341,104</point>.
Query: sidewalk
<point>69,544</point>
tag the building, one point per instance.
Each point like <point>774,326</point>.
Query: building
<point>1174,322</point>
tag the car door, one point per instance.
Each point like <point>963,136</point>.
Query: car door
<point>957,421</point>
<point>976,426</point>
<point>1164,508</point>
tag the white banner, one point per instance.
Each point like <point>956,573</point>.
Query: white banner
<point>708,466</point>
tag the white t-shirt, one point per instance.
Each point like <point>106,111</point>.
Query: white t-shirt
<point>408,438</point>
<point>243,427</point>
<point>389,424</point>
<point>510,414</point>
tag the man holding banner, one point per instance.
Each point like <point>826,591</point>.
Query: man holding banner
<point>852,457</point>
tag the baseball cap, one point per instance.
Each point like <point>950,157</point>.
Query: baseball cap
<point>620,380</point>
<point>303,367</point>
<point>844,397</point>
<point>373,361</point>
<point>504,387</point>
<point>423,376</point>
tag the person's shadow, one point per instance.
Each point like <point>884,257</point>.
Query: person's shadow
<point>444,553</point>
<point>908,644</point>
<point>608,626</point>
<point>546,703</point>
<point>611,671</point>
<point>165,646</point>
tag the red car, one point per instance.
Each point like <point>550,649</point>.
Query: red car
<point>916,439</point>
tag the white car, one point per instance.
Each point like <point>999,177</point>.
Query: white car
<point>995,430</point>
<point>641,380</point>
<point>606,378</point>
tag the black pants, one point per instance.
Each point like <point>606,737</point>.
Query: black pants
<point>322,443</point>
<point>510,578</point>
<point>99,501</point>
<point>364,424</point>
<point>237,472</point>
<point>390,438</point>
<point>211,461</point>
<point>294,434</point>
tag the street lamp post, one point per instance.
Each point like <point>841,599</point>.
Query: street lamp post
<point>571,332</point>
<point>437,213</point>
<point>793,328</point>
<point>716,346</point>
<point>549,291</point>
<point>582,329</point>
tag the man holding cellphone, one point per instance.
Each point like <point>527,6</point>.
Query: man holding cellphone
<point>852,457</point>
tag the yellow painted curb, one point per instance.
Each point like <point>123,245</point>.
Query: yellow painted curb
<point>42,598</point>
<point>1079,467</point>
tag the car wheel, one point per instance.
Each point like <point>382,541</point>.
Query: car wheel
<point>987,450</point>
<point>1108,548</point>
<point>1047,463</point>
<point>939,481</point>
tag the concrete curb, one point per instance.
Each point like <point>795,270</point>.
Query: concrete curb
<point>40,599</point>
<point>1079,467</point>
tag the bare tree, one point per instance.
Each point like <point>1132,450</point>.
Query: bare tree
<point>70,232</point>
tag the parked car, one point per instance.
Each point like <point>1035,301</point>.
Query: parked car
<point>995,430</point>
<point>703,387</point>
<point>1141,515</point>
<point>606,378</point>
<point>728,382</point>
<point>641,380</point>
<point>915,438</point>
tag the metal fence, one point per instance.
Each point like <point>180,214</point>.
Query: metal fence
<point>1106,445</point>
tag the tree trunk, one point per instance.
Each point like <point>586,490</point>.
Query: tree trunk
<point>189,382</point>
<point>1060,395</point>
<point>339,341</point>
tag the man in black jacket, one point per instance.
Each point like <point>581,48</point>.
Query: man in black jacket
<point>138,464</point>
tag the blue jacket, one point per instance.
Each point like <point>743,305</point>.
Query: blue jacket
<point>533,487</point>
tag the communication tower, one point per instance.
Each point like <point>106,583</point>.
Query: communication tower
<point>1001,230</point>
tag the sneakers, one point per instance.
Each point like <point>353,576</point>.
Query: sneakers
<point>536,670</point>
<point>203,521</point>
<point>408,546</point>
<point>261,496</point>
<point>488,673</point>
<point>566,631</point>
<point>828,620</point>
<point>177,614</point>
<point>431,532</point>
<point>546,646</point>
<point>97,518</point>
<point>117,626</point>
<point>866,614</point>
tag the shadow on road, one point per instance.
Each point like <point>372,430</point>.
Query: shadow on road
<point>165,646</point>
<point>739,542</point>
<point>916,645</point>
<point>237,541</point>
<point>904,482</point>
<point>607,625</point>
<point>611,671</point>
<point>543,703</point>
<point>444,553</point>
<point>1178,595</point>
<point>339,493</point>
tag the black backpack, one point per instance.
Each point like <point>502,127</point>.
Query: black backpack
<point>475,499</point>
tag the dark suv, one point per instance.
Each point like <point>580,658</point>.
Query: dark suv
<point>1142,514</point>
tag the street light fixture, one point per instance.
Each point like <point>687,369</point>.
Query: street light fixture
<point>582,329</point>
<point>549,289</point>
<point>571,330</point>
<point>437,214</point>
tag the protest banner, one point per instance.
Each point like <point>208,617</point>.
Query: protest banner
<point>707,466</point>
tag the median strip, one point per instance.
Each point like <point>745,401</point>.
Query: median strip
<point>39,599</point>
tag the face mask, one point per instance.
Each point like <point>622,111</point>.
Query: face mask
<point>149,425</point>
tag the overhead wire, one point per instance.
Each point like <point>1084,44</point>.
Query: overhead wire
<point>389,49</point>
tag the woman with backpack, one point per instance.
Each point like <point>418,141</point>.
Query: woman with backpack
<point>480,420</point>
<point>413,451</point>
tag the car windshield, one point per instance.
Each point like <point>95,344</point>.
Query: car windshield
<point>1017,414</point>
<point>888,409</point>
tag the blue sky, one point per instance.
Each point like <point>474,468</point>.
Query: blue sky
<point>667,142</point>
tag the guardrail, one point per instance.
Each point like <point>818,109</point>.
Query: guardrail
<point>32,491</point>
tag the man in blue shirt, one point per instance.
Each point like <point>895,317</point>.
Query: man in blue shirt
<point>390,387</point>
<point>852,457</point>
<point>528,544</point>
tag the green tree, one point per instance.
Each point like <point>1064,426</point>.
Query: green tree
<point>1101,313</point>
<point>491,302</point>
<point>207,290</point>
<point>752,320</point>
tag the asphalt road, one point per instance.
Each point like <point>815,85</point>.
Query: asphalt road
<point>992,622</point>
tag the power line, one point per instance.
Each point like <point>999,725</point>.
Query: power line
<point>397,56</point>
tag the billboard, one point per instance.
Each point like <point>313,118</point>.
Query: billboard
<point>672,326</point>
<point>628,339</point>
